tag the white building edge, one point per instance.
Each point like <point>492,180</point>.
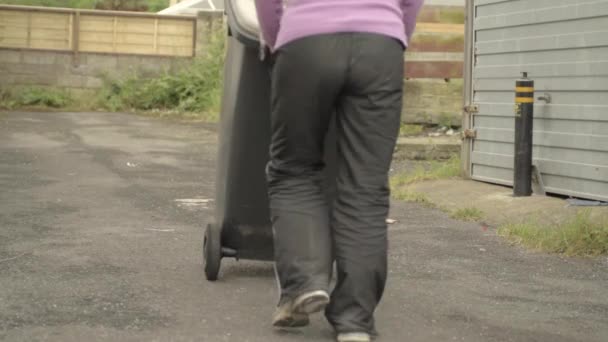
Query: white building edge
<point>192,7</point>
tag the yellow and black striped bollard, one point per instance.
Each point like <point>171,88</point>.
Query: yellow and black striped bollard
<point>524,124</point>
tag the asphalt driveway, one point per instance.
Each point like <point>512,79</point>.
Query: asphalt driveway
<point>101,220</point>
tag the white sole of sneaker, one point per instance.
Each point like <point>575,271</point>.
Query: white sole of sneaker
<point>311,302</point>
<point>354,337</point>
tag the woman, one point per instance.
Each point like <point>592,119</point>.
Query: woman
<point>341,58</point>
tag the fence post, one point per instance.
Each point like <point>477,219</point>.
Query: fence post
<point>195,27</point>
<point>156,36</point>
<point>524,121</point>
<point>76,39</point>
<point>114,25</point>
<point>70,34</point>
<point>29,29</point>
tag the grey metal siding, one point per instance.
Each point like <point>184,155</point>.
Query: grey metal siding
<point>563,45</point>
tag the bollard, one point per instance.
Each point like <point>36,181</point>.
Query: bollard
<point>524,121</point>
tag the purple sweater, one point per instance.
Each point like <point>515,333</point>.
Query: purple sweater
<point>301,18</point>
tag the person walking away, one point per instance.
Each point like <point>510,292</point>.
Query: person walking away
<point>341,58</point>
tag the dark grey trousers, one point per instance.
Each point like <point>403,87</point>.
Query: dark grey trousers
<point>355,79</point>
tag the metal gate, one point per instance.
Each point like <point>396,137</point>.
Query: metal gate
<point>563,45</point>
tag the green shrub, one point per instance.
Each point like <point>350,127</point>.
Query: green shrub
<point>85,4</point>
<point>7,99</point>
<point>196,88</point>
<point>46,97</point>
<point>34,96</point>
<point>157,5</point>
<point>123,5</point>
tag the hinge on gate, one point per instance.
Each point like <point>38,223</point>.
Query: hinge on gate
<point>471,109</point>
<point>475,56</point>
<point>469,134</point>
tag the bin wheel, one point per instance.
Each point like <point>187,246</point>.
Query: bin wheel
<point>212,252</point>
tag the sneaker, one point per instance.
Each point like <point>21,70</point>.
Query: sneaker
<point>354,337</point>
<point>286,317</point>
<point>311,302</point>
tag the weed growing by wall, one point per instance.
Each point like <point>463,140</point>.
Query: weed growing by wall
<point>196,88</point>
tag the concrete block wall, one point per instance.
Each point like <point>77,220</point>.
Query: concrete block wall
<point>23,67</point>
<point>85,71</point>
<point>432,101</point>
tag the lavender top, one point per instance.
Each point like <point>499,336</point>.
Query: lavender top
<point>281,24</point>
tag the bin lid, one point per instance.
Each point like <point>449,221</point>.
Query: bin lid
<point>243,20</point>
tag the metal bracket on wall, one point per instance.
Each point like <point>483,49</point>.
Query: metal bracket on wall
<point>545,97</point>
<point>469,134</point>
<point>471,109</point>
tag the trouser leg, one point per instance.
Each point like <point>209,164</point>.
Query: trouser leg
<point>367,127</point>
<point>307,77</point>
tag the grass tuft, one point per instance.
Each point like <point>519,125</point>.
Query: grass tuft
<point>436,170</point>
<point>403,194</point>
<point>408,130</point>
<point>467,214</point>
<point>580,236</point>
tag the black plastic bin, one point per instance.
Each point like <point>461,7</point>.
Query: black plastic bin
<point>241,227</point>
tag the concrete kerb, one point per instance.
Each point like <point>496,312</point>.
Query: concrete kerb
<point>427,148</point>
<point>496,202</point>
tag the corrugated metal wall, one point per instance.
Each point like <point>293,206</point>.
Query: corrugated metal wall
<point>563,44</point>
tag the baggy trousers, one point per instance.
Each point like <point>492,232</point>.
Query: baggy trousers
<point>355,79</point>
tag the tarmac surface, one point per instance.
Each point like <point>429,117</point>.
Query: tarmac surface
<point>101,222</point>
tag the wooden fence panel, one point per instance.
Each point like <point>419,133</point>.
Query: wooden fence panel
<point>96,31</point>
<point>174,37</point>
<point>35,30</point>
<point>150,36</point>
<point>437,47</point>
<point>13,29</point>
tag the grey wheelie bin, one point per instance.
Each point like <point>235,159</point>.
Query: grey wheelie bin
<point>241,228</point>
